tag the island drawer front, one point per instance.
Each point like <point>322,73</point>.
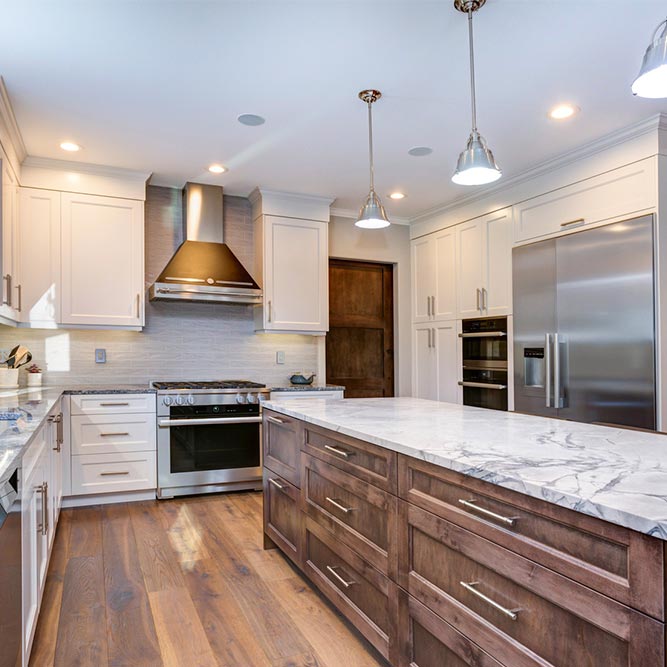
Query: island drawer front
<point>610,559</point>
<point>105,404</point>
<point>282,436</point>
<point>364,596</point>
<point>360,515</point>
<point>557,621</point>
<point>375,465</point>
<point>426,640</point>
<point>282,515</point>
<point>107,473</point>
<point>104,434</point>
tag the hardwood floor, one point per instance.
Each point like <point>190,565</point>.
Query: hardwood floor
<point>183,583</point>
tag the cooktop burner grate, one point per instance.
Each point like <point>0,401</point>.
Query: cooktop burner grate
<point>216,384</point>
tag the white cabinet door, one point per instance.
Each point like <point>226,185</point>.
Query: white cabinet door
<point>296,275</point>
<point>470,268</point>
<point>444,303</point>
<point>8,295</point>
<point>423,278</point>
<point>497,280</point>
<point>102,260</point>
<point>37,289</point>
<point>447,363</point>
<point>424,381</point>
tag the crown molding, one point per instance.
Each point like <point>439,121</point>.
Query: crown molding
<point>85,168</point>
<point>354,214</point>
<point>9,120</point>
<point>654,123</point>
<point>258,193</point>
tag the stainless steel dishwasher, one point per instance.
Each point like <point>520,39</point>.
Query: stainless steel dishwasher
<point>10,570</point>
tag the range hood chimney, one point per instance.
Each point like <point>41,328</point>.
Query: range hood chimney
<point>204,268</point>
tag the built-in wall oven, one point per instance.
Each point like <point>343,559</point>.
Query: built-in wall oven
<point>209,437</point>
<point>484,345</point>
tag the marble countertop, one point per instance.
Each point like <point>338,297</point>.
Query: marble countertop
<point>614,474</point>
<point>307,387</point>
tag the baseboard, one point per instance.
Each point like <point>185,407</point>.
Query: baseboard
<point>108,498</point>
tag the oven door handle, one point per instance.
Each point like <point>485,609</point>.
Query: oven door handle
<point>482,385</point>
<point>166,423</point>
<point>484,334</point>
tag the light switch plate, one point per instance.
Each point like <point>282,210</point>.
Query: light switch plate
<point>280,357</point>
<point>100,356</point>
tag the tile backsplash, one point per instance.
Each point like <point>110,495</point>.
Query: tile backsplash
<point>179,341</point>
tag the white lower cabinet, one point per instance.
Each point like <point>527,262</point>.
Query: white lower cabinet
<point>40,505</point>
<point>113,473</point>
<point>436,362</point>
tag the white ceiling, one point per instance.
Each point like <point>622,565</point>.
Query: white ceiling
<point>157,86</point>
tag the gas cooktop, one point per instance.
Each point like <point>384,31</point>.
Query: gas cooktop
<point>210,385</point>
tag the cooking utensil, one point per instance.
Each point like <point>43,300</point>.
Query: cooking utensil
<point>22,360</point>
<point>18,356</point>
<point>300,378</point>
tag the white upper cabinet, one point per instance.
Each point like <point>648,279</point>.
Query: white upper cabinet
<point>434,277</point>
<point>36,290</point>
<point>102,260</point>
<point>484,260</point>
<point>436,362</point>
<point>8,238</point>
<point>295,275</point>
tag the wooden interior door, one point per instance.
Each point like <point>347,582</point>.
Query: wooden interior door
<point>360,342</point>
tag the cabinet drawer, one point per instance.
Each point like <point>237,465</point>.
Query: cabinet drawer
<point>617,193</point>
<point>428,641</point>
<point>520,612</point>
<point>360,515</point>
<point>282,436</point>
<point>105,434</point>
<point>612,560</point>
<point>282,515</point>
<point>106,473</point>
<point>104,404</point>
<point>373,464</point>
<point>367,598</point>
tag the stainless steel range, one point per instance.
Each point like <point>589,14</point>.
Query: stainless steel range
<point>209,436</point>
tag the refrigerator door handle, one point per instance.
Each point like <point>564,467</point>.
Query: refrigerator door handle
<point>547,369</point>
<point>556,373</point>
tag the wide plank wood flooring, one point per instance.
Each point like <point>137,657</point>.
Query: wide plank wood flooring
<point>183,583</point>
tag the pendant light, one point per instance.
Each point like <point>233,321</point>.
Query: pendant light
<point>372,214</point>
<point>652,78</point>
<point>476,165</point>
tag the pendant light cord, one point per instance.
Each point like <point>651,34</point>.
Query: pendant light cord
<point>472,72</point>
<point>370,144</point>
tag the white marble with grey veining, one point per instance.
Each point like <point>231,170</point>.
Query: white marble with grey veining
<point>614,474</point>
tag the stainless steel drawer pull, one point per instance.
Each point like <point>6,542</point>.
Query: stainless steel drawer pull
<point>108,435</point>
<point>482,385</point>
<point>345,583</point>
<point>109,405</point>
<point>342,508</point>
<point>278,485</point>
<point>510,613</point>
<point>275,420</point>
<point>572,222</point>
<point>113,474</point>
<point>472,505</point>
<point>338,451</point>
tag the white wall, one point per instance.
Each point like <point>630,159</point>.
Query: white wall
<point>390,245</point>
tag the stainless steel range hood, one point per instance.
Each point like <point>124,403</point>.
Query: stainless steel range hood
<point>204,268</point>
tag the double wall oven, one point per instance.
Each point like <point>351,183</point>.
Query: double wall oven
<point>484,344</point>
<point>209,436</point>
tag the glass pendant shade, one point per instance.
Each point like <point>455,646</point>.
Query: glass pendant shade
<point>372,214</point>
<point>651,81</point>
<point>476,165</point>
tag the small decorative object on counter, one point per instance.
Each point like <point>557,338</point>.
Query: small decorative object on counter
<point>9,376</point>
<point>302,377</point>
<point>34,376</point>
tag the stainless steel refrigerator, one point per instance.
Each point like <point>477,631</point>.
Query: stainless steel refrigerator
<point>584,326</point>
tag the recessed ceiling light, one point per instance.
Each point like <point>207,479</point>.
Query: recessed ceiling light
<point>563,111</point>
<point>251,119</point>
<point>396,195</point>
<point>217,169</point>
<point>420,151</point>
<point>70,146</point>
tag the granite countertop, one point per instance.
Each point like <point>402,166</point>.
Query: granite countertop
<point>307,387</point>
<point>615,474</point>
<point>110,389</point>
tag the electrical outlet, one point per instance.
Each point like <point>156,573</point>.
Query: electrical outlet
<point>100,356</point>
<point>280,357</point>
